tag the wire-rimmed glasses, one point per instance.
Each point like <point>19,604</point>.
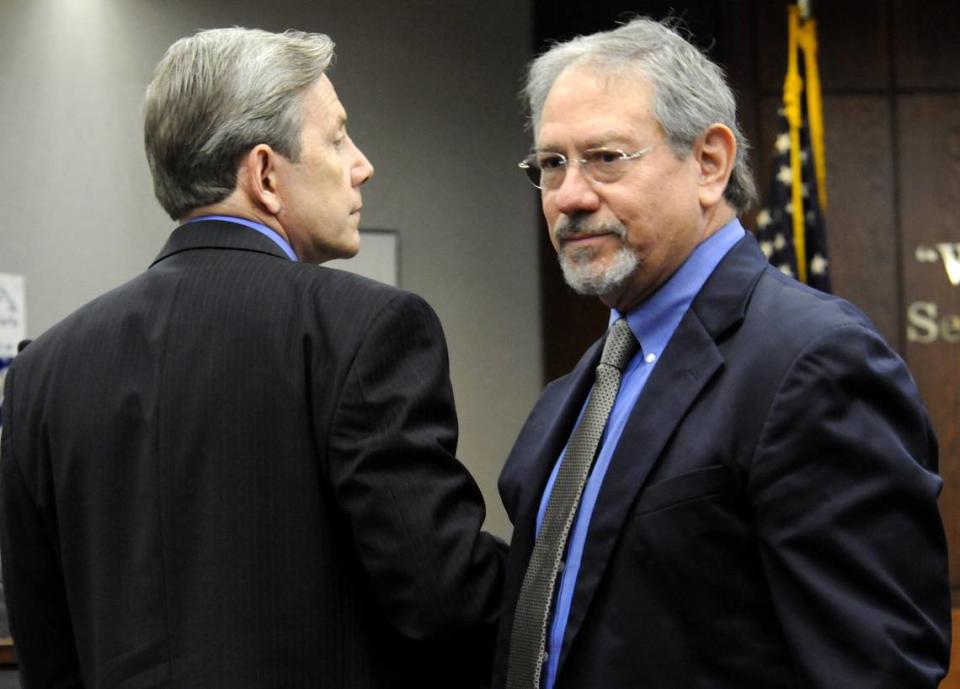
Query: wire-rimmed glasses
<point>546,169</point>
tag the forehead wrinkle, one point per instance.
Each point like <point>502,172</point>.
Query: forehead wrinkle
<point>604,140</point>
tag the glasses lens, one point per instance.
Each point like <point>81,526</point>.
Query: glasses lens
<point>530,169</point>
<point>604,165</point>
<point>552,166</point>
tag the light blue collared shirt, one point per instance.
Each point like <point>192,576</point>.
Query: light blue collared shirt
<point>653,323</point>
<point>253,225</point>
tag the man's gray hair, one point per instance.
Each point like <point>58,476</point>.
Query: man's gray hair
<point>689,91</point>
<point>217,94</point>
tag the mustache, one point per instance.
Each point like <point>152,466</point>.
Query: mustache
<point>578,226</point>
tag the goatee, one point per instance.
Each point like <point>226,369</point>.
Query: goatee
<point>581,267</point>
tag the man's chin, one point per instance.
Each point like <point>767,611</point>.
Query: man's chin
<point>592,276</point>
<point>350,250</point>
<point>322,254</point>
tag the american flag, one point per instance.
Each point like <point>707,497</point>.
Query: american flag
<point>775,219</point>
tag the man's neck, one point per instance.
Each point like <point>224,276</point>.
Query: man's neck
<point>233,207</point>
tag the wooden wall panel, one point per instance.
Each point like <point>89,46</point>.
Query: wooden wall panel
<point>952,680</point>
<point>861,233</point>
<point>732,35</point>
<point>853,40</point>
<point>928,52</point>
<point>861,229</point>
<point>929,179</point>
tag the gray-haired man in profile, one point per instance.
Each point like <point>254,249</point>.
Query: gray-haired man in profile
<point>237,470</point>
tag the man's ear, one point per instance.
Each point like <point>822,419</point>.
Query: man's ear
<point>259,176</point>
<point>715,151</point>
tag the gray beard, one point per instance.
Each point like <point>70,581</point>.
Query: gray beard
<point>586,277</point>
<point>584,274</point>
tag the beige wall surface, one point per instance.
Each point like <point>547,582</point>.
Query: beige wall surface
<point>430,87</point>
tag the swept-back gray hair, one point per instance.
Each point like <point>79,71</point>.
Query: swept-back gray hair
<point>689,91</point>
<point>217,94</point>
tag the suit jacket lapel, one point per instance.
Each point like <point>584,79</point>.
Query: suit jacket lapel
<point>690,360</point>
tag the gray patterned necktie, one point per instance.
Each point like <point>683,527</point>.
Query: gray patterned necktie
<point>528,638</point>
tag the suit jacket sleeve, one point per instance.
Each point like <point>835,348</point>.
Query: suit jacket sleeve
<point>414,511</point>
<point>844,490</point>
<point>33,582</point>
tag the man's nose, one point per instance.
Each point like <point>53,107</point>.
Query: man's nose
<point>575,194</point>
<point>362,169</point>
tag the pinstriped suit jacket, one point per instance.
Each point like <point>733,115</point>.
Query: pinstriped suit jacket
<point>237,471</point>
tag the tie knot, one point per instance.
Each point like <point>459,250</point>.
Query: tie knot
<point>620,346</point>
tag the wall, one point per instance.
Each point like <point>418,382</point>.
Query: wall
<point>430,90</point>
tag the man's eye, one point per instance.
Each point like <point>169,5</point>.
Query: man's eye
<point>550,162</point>
<point>602,156</point>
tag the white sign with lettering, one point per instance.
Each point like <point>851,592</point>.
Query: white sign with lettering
<point>13,313</point>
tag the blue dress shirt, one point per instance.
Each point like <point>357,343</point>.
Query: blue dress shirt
<point>653,323</point>
<point>253,225</point>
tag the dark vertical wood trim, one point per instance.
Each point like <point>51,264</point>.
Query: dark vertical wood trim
<point>892,96</point>
<point>757,104</point>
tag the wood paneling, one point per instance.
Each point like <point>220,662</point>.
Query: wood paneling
<point>928,52</point>
<point>734,32</point>
<point>853,40</point>
<point>952,680</point>
<point>929,135</point>
<point>861,229</point>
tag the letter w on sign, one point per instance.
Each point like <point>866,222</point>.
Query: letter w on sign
<point>950,254</point>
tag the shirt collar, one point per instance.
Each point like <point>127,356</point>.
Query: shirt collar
<point>253,225</point>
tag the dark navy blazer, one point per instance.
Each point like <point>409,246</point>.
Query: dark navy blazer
<point>769,517</point>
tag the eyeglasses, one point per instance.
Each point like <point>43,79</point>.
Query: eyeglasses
<point>546,170</point>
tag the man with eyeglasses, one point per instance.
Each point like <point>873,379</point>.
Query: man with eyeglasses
<point>736,486</point>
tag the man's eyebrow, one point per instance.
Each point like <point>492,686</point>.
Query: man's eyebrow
<point>600,141</point>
